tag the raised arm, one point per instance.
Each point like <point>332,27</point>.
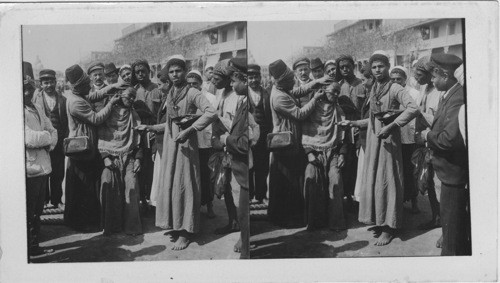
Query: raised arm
<point>284,105</point>
<point>209,113</point>
<point>84,112</point>
<point>411,109</point>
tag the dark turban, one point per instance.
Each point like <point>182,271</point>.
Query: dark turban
<point>222,68</point>
<point>424,64</point>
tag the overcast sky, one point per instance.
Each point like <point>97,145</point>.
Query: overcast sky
<point>269,41</point>
<point>60,46</point>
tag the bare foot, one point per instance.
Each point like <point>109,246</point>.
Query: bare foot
<point>386,237</point>
<point>210,210</point>
<point>182,242</point>
<point>174,235</point>
<point>377,230</point>
<point>439,242</point>
<point>237,246</point>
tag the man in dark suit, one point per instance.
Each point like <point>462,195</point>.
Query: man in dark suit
<point>260,108</point>
<point>236,144</point>
<point>450,159</point>
<point>53,104</point>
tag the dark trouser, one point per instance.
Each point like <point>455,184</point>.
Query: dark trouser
<point>349,170</point>
<point>54,188</point>
<point>230,206</point>
<point>146,175</point>
<point>455,219</point>
<point>410,188</point>
<point>258,174</point>
<point>244,223</point>
<point>207,188</point>
<point>35,199</point>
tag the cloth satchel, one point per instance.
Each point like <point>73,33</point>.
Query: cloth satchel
<point>283,139</point>
<point>81,146</point>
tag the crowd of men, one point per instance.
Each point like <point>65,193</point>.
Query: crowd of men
<point>348,143</point>
<point>131,143</point>
<point>353,145</point>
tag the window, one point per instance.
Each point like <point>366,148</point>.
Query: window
<point>158,30</point>
<point>451,28</point>
<point>240,32</point>
<point>425,31</point>
<point>214,37</point>
<point>370,26</point>
<point>224,36</point>
<point>435,32</point>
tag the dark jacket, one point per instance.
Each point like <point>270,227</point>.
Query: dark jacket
<point>267,126</point>
<point>62,130</point>
<point>237,145</point>
<point>449,152</point>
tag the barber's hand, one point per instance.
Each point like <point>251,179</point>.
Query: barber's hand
<point>184,135</point>
<point>115,99</point>
<point>223,138</point>
<point>108,163</point>
<point>420,137</point>
<point>385,132</point>
<point>137,166</point>
<point>120,84</point>
<point>325,80</point>
<point>319,94</point>
<point>341,161</point>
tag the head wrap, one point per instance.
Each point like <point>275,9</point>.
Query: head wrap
<point>77,78</point>
<point>195,73</point>
<point>178,60</point>
<point>366,71</point>
<point>221,68</point>
<point>400,70</point>
<point>380,56</point>
<point>125,67</point>
<point>330,62</point>
<point>424,64</point>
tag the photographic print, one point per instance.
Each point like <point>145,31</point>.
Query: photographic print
<point>371,145</point>
<point>120,144</point>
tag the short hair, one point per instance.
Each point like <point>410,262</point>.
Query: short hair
<point>209,68</point>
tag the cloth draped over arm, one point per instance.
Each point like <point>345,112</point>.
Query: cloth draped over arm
<point>82,110</point>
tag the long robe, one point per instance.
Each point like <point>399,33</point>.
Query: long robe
<point>381,201</point>
<point>178,199</point>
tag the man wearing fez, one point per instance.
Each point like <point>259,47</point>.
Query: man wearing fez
<point>427,102</point>
<point>82,208</point>
<point>317,68</point>
<point>40,138</point>
<point>331,68</point>
<point>227,101</point>
<point>450,157</point>
<point>286,169</point>
<point>351,100</point>
<point>53,104</point>
<point>260,107</point>
<point>111,73</point>
<point>149,94</point>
